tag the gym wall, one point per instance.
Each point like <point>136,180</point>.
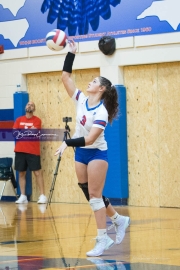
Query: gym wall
<point>53,103</point>
<point>149,68</point>
<point>152,114</point>
<point>153,106</point>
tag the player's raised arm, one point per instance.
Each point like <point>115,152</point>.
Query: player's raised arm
<point>67,69</point>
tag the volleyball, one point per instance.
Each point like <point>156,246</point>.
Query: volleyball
<point>56,40</point>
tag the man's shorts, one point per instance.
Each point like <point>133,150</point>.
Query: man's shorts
<point>26,160</point>
<point>85,155</point>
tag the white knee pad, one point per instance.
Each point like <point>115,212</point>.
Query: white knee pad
<point>96,203</point>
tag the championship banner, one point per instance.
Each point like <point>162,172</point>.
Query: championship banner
<point>25,23</point>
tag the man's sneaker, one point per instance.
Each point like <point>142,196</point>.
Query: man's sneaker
<point>102,243</point>
<point>42,199</point>
<point>120,227</point>
<point>22,199</point>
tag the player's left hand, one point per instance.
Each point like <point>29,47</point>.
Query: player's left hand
<point>61,149</point>
<point>72,46</point>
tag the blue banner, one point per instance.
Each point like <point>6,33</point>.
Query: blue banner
<point>25,23</point>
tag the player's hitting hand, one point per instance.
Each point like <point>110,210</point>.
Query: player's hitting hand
<point>61,149</point>
<point>72,46</point>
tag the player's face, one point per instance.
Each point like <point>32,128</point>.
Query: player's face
<point>30,107</point>
<point>94,86</point>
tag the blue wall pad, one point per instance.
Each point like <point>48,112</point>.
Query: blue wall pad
<point>116,186</point>
<point>20,101</point>
<point>6,114</point>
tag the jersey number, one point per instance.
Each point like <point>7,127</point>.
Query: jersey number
<point>83,121</point>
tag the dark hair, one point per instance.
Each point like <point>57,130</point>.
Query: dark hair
<point>110,98</point>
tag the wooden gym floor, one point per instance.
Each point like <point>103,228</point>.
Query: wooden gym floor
<point>33,237</point>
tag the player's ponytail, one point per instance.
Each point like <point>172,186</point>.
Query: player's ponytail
<point>110,98</point>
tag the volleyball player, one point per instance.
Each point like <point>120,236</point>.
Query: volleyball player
<point>91,161</point>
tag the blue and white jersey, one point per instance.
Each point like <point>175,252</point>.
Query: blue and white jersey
<point>87,118</point>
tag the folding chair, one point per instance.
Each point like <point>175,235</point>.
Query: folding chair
<point>7,174</point>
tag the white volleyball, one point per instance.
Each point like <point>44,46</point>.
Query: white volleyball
<point>56,40</point>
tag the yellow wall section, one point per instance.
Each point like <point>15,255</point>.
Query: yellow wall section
<point>153,105</point>
<point>52,104</point>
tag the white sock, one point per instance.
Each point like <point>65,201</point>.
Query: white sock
<point>115,217</point>
<point>101,232</point>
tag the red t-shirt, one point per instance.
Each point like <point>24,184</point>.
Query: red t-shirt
<point>31,147</point>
